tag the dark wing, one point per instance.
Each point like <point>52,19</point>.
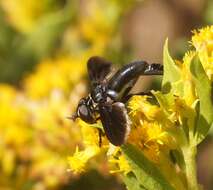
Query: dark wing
<point>98,68</point>
<point>115,122</point>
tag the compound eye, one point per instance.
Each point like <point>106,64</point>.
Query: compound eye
<point>83,111</point>
<point>85,114</point>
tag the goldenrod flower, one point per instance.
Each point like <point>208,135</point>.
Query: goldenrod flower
<point>97,21</point>
<point>163,130</point>
<point>147,133</point>
<point>140,108</point>
<point>202,40</point>
<point>150,137</point>
<point>90,135</point>
<point>35,134</point>
<point>91,149</point>
<point>78,161</point>
<point>24,14</point>
<point>60,74</point>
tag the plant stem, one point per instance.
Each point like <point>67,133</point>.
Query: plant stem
<point>189,154</point>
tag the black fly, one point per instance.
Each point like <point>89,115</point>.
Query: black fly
<point>107,97</point>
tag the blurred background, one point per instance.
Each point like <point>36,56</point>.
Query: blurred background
<point>44,46</point>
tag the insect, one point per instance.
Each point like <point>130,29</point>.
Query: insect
<point>106,100</point>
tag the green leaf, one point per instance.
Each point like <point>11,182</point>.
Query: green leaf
<point>97,125</point>
<point>145,171</point>
<point>177,157</point>
<point>171,76</point>
<point>166,101</point>
<point>211,130</point>
<point>131,182</point>
<point>204,90</point>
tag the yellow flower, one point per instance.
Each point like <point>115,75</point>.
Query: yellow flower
<point>24,14</point>
<point>90,135</point>
<point>78,161</point>
<point>150,138</point>
<point>60,74</point>
<point>121,163</point>
<point>140,108</point>
<point>184,111</point>
<point>8,162</point>
<point>13,125</point>
<point>36,130</point>
<point>202,40</point>
<point>147,134</point>
<point>189,94</point>
<point>7,93</point>
<point>97,22</point>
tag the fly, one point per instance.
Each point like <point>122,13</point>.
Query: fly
<point>107,97</point>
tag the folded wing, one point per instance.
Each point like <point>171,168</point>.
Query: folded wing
<point>115,122</point>
<point>98,68</point>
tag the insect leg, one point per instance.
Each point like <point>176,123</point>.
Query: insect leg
<point>154,69</point>
<point>126,74</point>
<point>130,73</point>
<point>100,137</point>
<point>126,98</point>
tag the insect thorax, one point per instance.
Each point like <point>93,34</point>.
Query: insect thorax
<point>99,93</point>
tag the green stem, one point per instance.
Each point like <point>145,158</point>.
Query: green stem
<point>190,167</point>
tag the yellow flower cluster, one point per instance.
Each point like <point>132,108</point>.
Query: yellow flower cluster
<point>147,133</point>
<point>203,42</point>
<point>34,129</point>
<point>55,74</point>
<point>35,135</point>
<point>155,128</point>
<point>24,14</point>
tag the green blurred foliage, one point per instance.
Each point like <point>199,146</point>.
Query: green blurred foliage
<point>208,13</point>
<point>20,52</point>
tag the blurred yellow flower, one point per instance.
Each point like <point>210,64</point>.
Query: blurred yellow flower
<point>36,130</point>
<point>13,112</point>
<point>24,14</point>
<point>35,135</point>
<point>97,21</point>
<point>59,74</point>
